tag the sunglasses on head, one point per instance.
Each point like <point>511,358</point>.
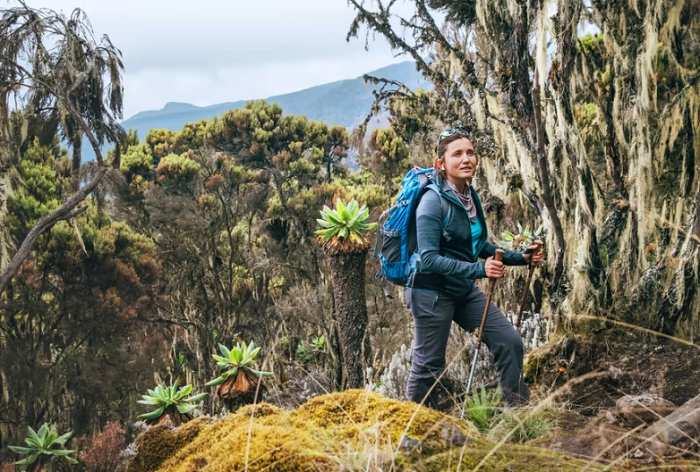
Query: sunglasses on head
<point>451,132</point>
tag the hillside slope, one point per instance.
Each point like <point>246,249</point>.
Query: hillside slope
<point>345,102</point>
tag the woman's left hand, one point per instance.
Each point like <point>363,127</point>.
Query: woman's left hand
<point>536,254</point>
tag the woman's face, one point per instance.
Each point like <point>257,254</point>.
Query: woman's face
<point>460,160</point>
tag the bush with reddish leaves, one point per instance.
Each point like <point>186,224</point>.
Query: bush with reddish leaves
<point>103,452</point>
<point>7,467</point>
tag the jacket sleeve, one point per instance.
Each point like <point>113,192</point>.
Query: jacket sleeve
<point>429,233</point>
<point>510,258</point>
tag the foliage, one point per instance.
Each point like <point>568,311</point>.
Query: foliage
<point>345,223</point>
<point>241,357</point>
<point>234,221</point>
<point>523,239</point>
<point>169,399</point>
<point>88,284</point>
<point>303,352</point>
<point>592,44</point>
<point>585,114</point>
<point>43,446</point>
<point>40,193</point>
<point>318,344</point>
<point>56,79</point>
<point>65,63</point>
<point>137,166</point>
<point>104,449</point>
<point>522,426</point>
<point>177,167</point>
<point>388,158</point>
<point>482,408</point>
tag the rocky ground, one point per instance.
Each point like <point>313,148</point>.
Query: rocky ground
<point>610,388</point>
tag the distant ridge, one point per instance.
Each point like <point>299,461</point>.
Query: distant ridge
<point>345,103</point>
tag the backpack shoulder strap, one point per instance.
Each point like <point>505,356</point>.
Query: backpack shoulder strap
<point>443,202</point>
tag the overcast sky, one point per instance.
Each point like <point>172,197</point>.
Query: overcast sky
<point>205,52</point>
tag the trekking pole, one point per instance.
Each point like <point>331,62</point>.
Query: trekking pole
<point>498,256</point>
<point>539,244</point>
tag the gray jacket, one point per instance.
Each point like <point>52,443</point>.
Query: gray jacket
<point>447,262</point>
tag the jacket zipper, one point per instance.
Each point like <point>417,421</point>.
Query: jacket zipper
<point>459,204</point>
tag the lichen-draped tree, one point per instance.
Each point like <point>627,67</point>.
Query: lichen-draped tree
<point>598,132</point>
<point>55,77</point>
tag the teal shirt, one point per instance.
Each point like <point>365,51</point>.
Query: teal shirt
<point>477,230</point>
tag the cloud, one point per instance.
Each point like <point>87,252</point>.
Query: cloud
<point>211,51</point>
<point>227,84</point>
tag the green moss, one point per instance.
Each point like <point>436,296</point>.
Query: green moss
<point>603,255</point>
<point>159,443</point>
<point>585,114</point>
<point>591,44</point>
<point>537,361</point>
<point>346,431</point>
<point>275,444</point>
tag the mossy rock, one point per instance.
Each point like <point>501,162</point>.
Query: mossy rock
<point>159,443</point>
<point>352,430</point>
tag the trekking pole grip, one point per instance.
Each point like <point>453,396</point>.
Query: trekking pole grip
<point>538,245</point>
<point>499,257</point>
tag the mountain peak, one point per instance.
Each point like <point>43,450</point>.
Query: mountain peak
<point>177,106</point>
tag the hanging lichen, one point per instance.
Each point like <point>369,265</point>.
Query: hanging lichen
<point>593,109</point>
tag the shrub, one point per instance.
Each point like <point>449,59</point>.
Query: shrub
<point>104,450</point>
<point>522,426</point>
<point>481,409</point>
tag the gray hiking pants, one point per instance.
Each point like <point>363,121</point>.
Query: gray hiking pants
<point>433,314</point>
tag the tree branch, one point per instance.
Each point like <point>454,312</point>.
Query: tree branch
<point>66,211</point>
<point>69,105</point>
<point>397,42</point>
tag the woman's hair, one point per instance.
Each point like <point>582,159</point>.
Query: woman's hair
<point>442,148</point>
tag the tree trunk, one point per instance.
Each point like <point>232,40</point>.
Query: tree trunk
<point>348,279</point>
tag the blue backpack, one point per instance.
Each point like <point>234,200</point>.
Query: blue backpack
<point>398,232</point>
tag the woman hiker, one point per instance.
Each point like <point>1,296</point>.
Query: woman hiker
<point>442,288</point>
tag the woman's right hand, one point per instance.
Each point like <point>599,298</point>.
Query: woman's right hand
<point>494,269</point>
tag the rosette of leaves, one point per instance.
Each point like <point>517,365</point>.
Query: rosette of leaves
<point>319,344</point>
<point>172,403</point>
<point>523,240</point>
<point>42,447</point>
<point>239,382</point>
<point>303,352</point>
<point>344,227</point>
<point>482,408</point>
